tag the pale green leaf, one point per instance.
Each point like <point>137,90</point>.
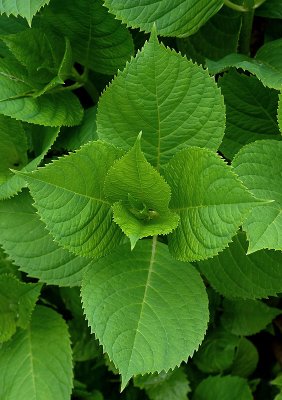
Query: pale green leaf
<point>141,197</point>
<point>36,363</point>
<point>46,137</point>
<point>217,352</point>
<point>172,385</point>
<point>13,149</point>
<point>178,18</point>
<point>214,40</point>
<point>98,40</point>
<point>25,238</point>
<point>246,359</point>
<point>171,100</point>
<point>223,388</point>
<point>210,200</point>
<point>69,196</point>
<point>17,301</point>
<point>247,317</point>
<point>259,167</point>
<point>235,274</point>
<point>154,321</point>
<point>270,9</point>
<point>267,64</point>
<point>25,8</point>
<point>250,112</point>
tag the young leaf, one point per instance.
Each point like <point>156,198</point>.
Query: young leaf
<point>17,301</point>
<point>250,110</point>
<point>27,241</point>
<point>259,167</point>
<point>223,388</point>
<point>98,40</point>
<point>36,362</point>
<point>69,196</point>
<point>171,100</point>
<point>141,197</point>
<point>210,200</point>
<point>182,19</point>
<point>235,274</point>
<point>217,353</point>
<point>156,320</point>
<point>172,385</point>
<point>246,359</point>
<point>47,137</point>
<point>25,8</point>
<point>267,64</point>
<point>247,317</point>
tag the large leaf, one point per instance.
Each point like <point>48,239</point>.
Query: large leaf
<point>178,18</point>
<point>17,301</point>
<point>25,8</point>
<point>47,136</point>
<point>36,364</point>
<point>247,317</point>
<point>156,320</point>
<point>270,9</point>
<point>141,197</point>
<point>251,112</point>
<point>223,388</point>
<point>70,199</point>
<point>27,241</point>
<point>172,385</point>
<point>235,274</point>
<point>210,200</point>
<point>98,40</point>
<point>171,100</point>
<point>267,64</point>
<point>6,265</point>
<point>214,40</point>
<point>259,167</point>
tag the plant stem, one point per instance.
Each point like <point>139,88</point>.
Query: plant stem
<point>246,31</point>
<point>235,7</point>
<point>88,85</point>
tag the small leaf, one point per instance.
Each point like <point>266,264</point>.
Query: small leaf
<point>6,265</point>
<point>36,362</point>
<point>69,196</point>
<point>171,100</point>
<point>172,385</point>
<point>141,197</point>
<point>17,301</point>
<point>259,167</point>
<point>156,320</point>
<point>25,8</point>
<point>247,317</point>
<point>183,19</point>
<point>246,359</point>
<point>235,274</point>
<point>210,200</point>
<point>223,388</point>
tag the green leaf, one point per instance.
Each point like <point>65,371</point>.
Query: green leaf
<point>246,359</point>
<point>172,385</point>
<point>47,137</point>
<point>217,352</point>
<point>141,197</point>
<point>70,199</point>
<point>210,200</point>
<point>171,100</point>
<point>98,40</point>
<point>36,364</point>
<point>223,388</point>
<point>270,9</point>
<point>156,320</point>
<point>214,40</point>
<point>6,265</point>
<point>251,112</point>
<point>235,274</point>
<point>247,317</point>
<point>259,167</point>
<point>25,238</point>
<point>178,19</point>
<point>279,112</point>
<point>25,8</point>
<point>13,150</point>
<point>267,64</point>
<point>17,301</point>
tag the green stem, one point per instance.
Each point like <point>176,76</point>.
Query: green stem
<point>235,7</point>
<point>258,3</point>
<point>88,85</point>
<point>246,32</point>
